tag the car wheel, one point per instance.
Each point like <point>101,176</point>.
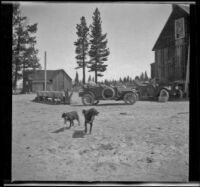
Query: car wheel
<point>108,93</point>
<point>179,94</point>
<point>87,99</point>
<point>130,98</point>
<point>163,96</point>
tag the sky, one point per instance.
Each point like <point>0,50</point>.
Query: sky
<point>132,30</point>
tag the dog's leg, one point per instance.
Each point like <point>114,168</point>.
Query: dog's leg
<point>91,124</point>
<point>70,125</point>
<point>85,128</point>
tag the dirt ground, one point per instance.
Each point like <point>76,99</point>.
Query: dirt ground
<point>147,141</point>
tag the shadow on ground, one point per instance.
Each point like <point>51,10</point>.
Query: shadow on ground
<point>103,104</point>
<point>78,134</point>
<point>61,129</point>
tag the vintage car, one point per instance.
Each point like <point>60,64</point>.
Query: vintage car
<point>92,94</point>
<point>152,91</point>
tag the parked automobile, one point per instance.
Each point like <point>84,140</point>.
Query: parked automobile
<point>92,94</point>
<point>152,91</point>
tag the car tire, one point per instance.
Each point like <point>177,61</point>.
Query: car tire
<point>179,94</point>
<point>88,99</point>
<point>163,96</point>
<point>108,89</point>
<point>130,98</point>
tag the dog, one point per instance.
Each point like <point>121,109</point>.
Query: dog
<point>89,117</point>
<point>71,116</point>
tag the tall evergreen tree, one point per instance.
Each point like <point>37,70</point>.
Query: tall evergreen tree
<point>89,78</point>
<point>142,76</point>
<point>82,45</point>
<point>24,56</point>
<point>98,51</point>
<point>76,80</point>
<point>137,78</point>
<point>128,79</point>
<point>92,79</point>
<point>146,78</point>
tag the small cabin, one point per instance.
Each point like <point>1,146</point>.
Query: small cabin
<point>172,47</point>
<point>56,80</point>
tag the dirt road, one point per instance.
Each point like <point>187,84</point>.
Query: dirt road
<point>147,141</point>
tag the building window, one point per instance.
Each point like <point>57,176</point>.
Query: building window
<point>179,28</point>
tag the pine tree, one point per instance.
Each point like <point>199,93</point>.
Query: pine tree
<point>89,78</point>
<point>146,76</point>
<point>82,45</point>
<point>107,82</point>
<point>92,79</point>
<point>98,51</point>
<point>24,56</point>
<point>76,80</point>
<point>142,76</point>
<point>137,78</point>
<point>128,79</point>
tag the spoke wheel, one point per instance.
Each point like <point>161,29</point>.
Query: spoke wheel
<point>130,98</point>
<point>87,100</point>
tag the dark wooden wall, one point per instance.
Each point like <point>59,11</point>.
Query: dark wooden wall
<point>61,82</point>
<point>171,54</point>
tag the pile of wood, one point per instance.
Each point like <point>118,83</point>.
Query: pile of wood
<point>53,97</point>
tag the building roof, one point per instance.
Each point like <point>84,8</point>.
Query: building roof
<point>38,75</point>
<point>185,8</point>
<point>165,31</point>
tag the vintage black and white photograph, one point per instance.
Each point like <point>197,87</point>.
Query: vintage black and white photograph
<point>100,91</point>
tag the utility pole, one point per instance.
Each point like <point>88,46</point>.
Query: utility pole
<point>45,71</point>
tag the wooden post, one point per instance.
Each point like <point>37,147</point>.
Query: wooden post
<point>45,72</point>
<point>187,71</point>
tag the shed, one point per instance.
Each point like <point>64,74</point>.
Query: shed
<point>57,80</point>
<point>171,47</point>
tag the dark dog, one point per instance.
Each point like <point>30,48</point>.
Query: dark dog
<point>71,116</point>
<point>89,117</point>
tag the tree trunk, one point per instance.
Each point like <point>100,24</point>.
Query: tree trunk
<point>24,81</point>
<point>83,63</point>
<point>83,71</point>
<point>15,78</point>
<point>95,72</point>
<point>17,63</point>
<point>95,76</point>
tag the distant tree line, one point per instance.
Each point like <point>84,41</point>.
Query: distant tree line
<point>24,53</point>
<point>122,80</point>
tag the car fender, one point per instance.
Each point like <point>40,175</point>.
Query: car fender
<point>163,88</point>
<point>127,92</point>
<point>89,92</point>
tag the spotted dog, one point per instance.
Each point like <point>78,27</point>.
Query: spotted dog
<point>71,116</point>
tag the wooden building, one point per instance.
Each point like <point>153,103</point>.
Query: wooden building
<point>172,46</point>
<point>57,80</point>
